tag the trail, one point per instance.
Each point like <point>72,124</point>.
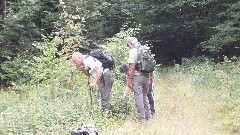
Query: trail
<point>180,110</point>
<point>186,112</point>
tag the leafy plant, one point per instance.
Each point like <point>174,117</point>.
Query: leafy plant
<point>56,99</point>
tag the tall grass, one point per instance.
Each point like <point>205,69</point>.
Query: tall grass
<point>223,80</point>
<point>56,99</point>
<point>60,106</point>
<point>41,111</point>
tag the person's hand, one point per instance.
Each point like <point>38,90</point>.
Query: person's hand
<point>131,89</point>
<point>81,68</point>
<point>151,80</point>
<point>91,85</point>
<point>129,84</point>
<point>72,89</point>
<point>122,97</point>
<point>65,79</point>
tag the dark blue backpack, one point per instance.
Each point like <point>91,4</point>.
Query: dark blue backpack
<point>106,59</point>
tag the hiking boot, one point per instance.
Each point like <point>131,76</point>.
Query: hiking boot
<point>152,114</point>
<point>143,120</point>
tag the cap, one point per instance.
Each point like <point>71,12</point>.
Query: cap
<point>129,39</point>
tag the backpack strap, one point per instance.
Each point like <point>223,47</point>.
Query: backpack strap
<point>89,69</point>
<point>93,58</point>
<point>89,56</point>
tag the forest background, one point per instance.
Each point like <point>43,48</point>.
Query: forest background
<point>197,37</point>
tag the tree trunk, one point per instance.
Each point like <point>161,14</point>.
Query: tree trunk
<point>2,11</point>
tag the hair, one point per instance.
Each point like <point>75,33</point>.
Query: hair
<point>129,39</point>
<point>132,39</point>
<point>76,54</point>
<point>124,68</point>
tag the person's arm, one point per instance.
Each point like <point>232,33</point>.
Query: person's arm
<point>151,77</point>
<point>127,88</point>
<point>130,74</point>
<point>99,73</point>
<point>84,70</point>
<point>125,93</point>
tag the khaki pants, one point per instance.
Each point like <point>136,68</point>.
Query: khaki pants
<point>104,87</point>
<point>140,88</point>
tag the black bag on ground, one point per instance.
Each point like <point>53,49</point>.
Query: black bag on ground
<point>88,129</point>
<point>106,59</point>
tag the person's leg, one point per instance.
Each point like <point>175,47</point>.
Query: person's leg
<point>151,98</point>
<point>145,81</point>
<point>105,86</point>
<point>140,97</point>
<point>101,89</point>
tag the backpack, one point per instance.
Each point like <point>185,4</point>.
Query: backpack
<point>145,60</point>
<point>106,59</point>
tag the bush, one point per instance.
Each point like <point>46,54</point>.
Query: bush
<point>56,98</point>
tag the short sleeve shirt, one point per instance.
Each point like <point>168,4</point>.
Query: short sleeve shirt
<point>90,62</point>
<point>132,55</point>
<point>133,59</point>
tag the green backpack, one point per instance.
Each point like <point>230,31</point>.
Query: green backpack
<point>145,59</point>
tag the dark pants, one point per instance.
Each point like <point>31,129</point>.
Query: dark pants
<point>150,97</point>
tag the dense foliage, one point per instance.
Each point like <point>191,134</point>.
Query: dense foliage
<point>174,29</point>
<point>225,41</point>
<point>23,24</point>
<point>56,99</point>
<point>37,38</point>
<point>183,29</point>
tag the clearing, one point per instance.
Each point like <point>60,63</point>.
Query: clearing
<point>180,110</point>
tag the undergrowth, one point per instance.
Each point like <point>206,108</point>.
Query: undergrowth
<point>222,79</point>
<point>56,99</point>
<point>43,110</point>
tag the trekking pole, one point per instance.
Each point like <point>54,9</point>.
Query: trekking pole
<point>90,93</point>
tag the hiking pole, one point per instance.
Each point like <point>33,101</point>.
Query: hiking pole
<point>90,93</point>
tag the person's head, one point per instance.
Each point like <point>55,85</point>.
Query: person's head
<point>77,59</point>
<point>124,68</point>
<point>132,42</point>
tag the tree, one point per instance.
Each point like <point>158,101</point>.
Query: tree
<point>3,9</point>
<point>175,29</point>
<point>226,38</point>
<point>105,18</point>
<point>23,24</point>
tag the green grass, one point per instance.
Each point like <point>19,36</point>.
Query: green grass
<point>192,99</point>
<point>180,109</point>
<point>55,109</point>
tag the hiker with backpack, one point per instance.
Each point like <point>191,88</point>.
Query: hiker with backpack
<point>141,66</point>
<point>124,68</point>
<point>103,76</point>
